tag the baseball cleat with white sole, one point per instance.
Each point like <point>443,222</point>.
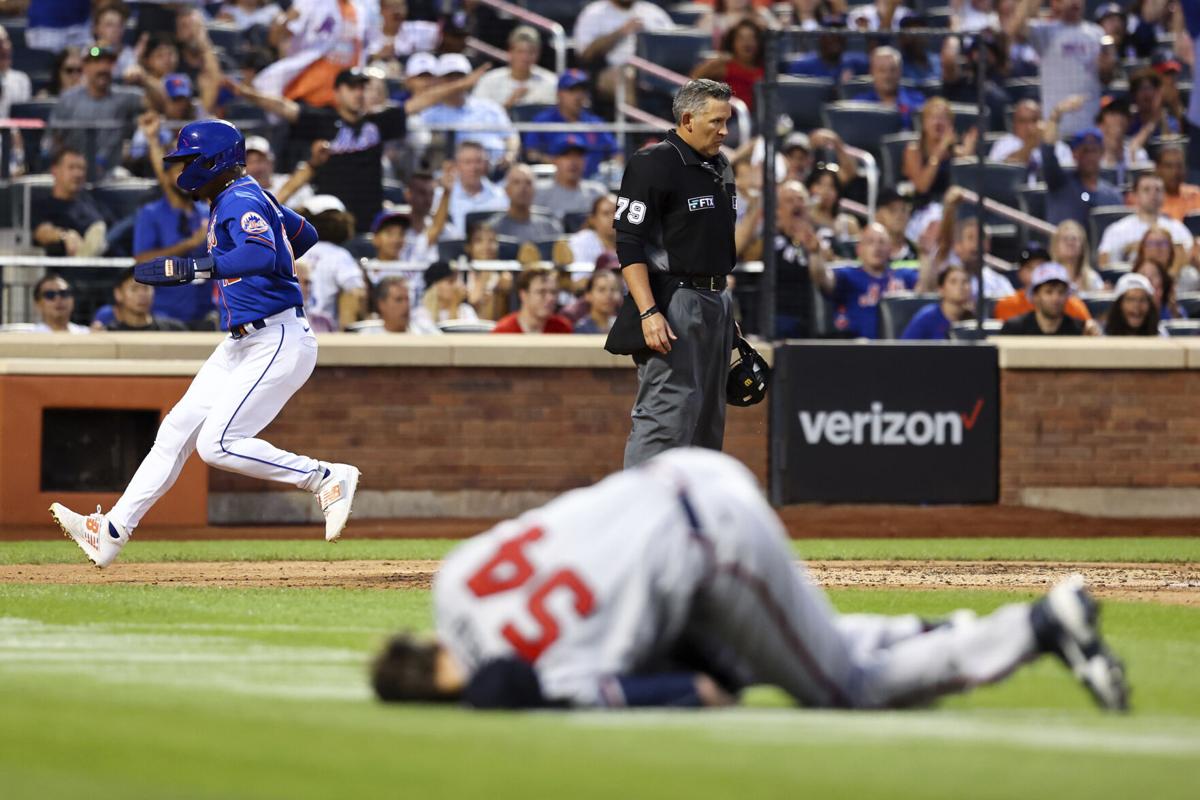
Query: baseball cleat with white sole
<point>100,540</point>
<point>1066,623</point>
<point>336,496</point>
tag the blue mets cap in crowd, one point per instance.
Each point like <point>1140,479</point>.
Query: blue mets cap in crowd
<point>1082,137</point>
<point>400,215</point>
<point>177,85</point>
<point>565,144</point>
<point>572,78</point>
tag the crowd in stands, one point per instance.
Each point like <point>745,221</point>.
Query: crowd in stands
<point>397,128</point>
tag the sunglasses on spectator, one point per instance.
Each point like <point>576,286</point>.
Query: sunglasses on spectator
<point>54,294</point>
<point>71,70</point>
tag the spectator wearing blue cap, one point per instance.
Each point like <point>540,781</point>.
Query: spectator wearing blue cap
<point>570,193</point>
<point>180,108</point>
<point>1048,290</point>
<point>572,107</point>
<point>459,108</point>
<point>1073,195</point>
<point>522,82</point>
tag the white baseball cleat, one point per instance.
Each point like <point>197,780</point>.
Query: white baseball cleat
<point>100,540</point>
<point>336,496</point>
<point>1066,623</point>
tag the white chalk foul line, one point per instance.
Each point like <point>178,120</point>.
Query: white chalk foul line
<point>215,663</point>
<point>1160,736</point>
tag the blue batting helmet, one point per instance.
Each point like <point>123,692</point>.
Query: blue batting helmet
<point>219,146</point>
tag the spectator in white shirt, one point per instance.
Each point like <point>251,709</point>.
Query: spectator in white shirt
<point>605,30</point>
<point>972,16</point>
<point>1120,240</point>
<point>55,302</point>
<point>1023,145</point>
<point>246,14</point>
<point>473,191</point>
<point>597,236</point>
<point>399,36</point>
<point>461,109</point>
<point>14,84</point>
<point>338,286</point>
<point>522,82</point>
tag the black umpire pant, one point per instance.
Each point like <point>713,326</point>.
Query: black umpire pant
<point>681,394</point>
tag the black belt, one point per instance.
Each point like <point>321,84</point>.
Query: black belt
<point>708,283</point>
<point>247,328</point>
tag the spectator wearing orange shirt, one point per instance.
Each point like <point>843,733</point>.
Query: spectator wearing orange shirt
<point>1179,198</point>
<point>1019,303</point>
<point>537,290</point>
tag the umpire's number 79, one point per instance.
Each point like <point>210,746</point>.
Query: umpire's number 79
<point>637,210</point>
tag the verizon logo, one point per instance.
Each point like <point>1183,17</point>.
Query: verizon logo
<point>888,428</point>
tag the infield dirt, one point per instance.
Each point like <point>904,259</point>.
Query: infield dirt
<point>1175,584</point>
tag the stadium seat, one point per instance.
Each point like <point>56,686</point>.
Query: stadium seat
<point>678,51</point>
<point>24,191</point>
<point>466,326</point>
<point>393,192</point>
<point>862,125</point>
<point>1032,199</point>
<point>969,330</point>
<point>1114,272</point>
<point>896,310</point>
<point>967,117</point>
<point>526,113</point>
<point>1190,303</point>
<point>938,17</point>
<point>360,246</point>
<point>225,37</point>
<point>508,248</point>
<point>1097,303</point>
<point>1101,217</point>
<point>574,221</point>
<point>546,247</point>
<point>892,156</point>
<point>563,12</point>
<point>241,111</point>
<point>1019,89</point>
<point>687,15</point>
<point>1192,221</point>
<point>475,217</point>
<point>451,249</point>
<point>998,182</point>
<point>24,58</point>
<point>823,313</point>
<point>123,198</point>
<point>1181,327</point>
<point>802,99</point>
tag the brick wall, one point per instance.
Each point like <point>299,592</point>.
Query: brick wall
<point>452,428</point>
<point>1098,428</point>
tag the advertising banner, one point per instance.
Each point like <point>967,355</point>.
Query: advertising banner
<point>884,423</point>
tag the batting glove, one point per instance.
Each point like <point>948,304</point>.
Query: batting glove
<point>172,270</point>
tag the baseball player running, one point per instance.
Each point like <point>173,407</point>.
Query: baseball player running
<point>673,584</point>
<point>253,243</point>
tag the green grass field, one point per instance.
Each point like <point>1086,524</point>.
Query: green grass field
<point>147,691</point>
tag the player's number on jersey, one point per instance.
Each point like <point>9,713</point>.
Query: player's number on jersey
<point>509,569</point>
<point>637,210</point>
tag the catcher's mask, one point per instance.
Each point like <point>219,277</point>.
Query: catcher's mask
<point>749,376</point>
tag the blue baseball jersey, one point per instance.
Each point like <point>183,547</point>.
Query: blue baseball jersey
<point>928,323</point>
<point>244,216</point>
<point>856,295</point>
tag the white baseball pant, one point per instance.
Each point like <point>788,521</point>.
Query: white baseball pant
<point>241,387</point>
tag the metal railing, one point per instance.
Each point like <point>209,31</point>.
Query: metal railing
<point>635,63</point>
<point>557,34</point>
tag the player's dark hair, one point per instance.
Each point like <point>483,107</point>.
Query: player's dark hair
<point>45,279</point>
<point>406,672</point>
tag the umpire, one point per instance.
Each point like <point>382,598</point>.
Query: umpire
<point>674,220</point>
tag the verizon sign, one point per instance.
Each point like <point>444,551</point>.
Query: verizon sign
<point>884,423</point>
